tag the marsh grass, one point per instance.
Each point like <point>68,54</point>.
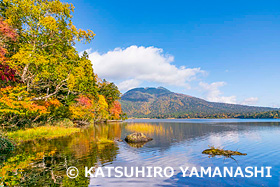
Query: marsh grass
<point>47,132</point>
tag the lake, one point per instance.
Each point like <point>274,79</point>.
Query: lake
<point>176,143</point>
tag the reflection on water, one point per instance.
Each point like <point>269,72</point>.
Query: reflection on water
<point>44,162</point>
<point>176,143</point>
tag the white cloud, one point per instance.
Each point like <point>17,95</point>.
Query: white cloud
<point>213,93</point>
<point>128,84</point>
<point>250,101</point>
<point>141,64</point>
<point>131,66</point>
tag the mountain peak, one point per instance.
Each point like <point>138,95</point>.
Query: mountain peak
<point>150,90</point>
<point>159,102</point>
<point>162,88</point>
<point>145,94</point>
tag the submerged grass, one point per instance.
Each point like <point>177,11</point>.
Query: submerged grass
<point>216,151</point>
<point>104,141</point>
<point>41,132</point>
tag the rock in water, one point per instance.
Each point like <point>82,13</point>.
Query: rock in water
<point>137,137</point>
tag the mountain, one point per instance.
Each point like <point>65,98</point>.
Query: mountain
<point>162,103</point>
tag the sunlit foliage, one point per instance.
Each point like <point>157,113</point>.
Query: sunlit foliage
<point>49,79</point>
<point>116,110</point>
<point>84,109</point>
<point>16,106</point>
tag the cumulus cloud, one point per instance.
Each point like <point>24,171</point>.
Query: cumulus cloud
<point>214,94</point>
<point>135,64</point>
<point>128,84</point>
<point>131,66</point>
<point>250,101</point>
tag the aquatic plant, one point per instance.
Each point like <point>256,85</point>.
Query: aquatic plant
<point>221,152</point>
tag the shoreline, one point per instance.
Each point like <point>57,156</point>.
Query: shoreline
<point>201,118</point>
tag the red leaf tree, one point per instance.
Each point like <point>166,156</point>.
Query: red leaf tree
<point>116,110</point>
<point>7,34</point>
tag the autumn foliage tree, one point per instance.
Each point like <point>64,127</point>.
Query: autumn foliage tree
<point>116,110</point>
<point>7,35</point>
<point>16,107</point>
<point>45,57</point>
<point>110,91</point>
<point>37,39</point>
<point>83,110</point>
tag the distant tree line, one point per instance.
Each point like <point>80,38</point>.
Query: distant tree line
<point>260,115</point>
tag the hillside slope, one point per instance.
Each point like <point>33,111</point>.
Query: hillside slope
<point>162,103</point>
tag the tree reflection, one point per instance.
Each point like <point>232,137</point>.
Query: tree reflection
<point>44,162</point>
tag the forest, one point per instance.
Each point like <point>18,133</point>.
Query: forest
<point>43,78</point>
<point>261,115</point>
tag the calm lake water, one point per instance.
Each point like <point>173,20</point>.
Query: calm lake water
<point>177,143</point>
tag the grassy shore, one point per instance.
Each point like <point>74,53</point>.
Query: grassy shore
<point>41,132</point>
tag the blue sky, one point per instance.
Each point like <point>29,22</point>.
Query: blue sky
<point>224,51</point>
